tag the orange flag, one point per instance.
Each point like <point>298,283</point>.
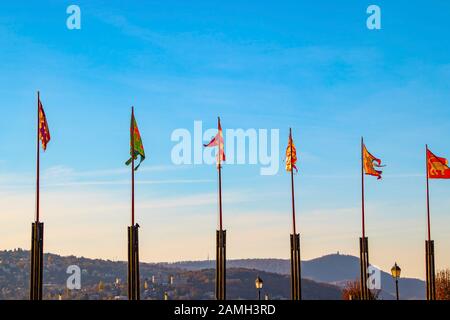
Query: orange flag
<point>291,155</point>
<point>370,163</point>
<point>437,167</point>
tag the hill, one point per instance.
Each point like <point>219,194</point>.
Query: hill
<point>336,269</point>
<point>105,279</point>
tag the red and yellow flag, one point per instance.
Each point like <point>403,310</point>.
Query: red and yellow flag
<point>370,163</point>
<point>437,167</point>
<point>44,132</point>
<point>291,155</point>
<point>218,141</point>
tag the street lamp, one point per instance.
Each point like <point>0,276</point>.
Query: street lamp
<point>395,271</point>
<point>259,284</point>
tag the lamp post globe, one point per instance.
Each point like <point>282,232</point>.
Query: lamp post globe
<point>259,284</point>
<point>395,272</point>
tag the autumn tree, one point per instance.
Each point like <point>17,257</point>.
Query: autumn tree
<point>352,291</point>
<point>443,285</point>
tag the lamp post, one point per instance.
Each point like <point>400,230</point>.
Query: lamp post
<point>395,271</point>
<point>259,284</point>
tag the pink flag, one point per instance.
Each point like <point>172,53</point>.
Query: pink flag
<point>218,141</point>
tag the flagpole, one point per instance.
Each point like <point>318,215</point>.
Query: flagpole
<point>429,245</point>
<point>133,242</point>
<point>220,234</point>
<point>362,189</point>
<point>364,248</point>
<point>296,292</point>
<point>220,179</point>
<point>428,193</point>
<point>292,185</point>
<point>37,160</point>
<point>132,166</point>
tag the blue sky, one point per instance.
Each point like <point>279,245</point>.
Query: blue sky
<point>314,67</point>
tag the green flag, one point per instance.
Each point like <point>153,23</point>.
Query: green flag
<point>136,146</point>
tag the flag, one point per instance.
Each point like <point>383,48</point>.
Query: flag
<point>136,146</point>
<point>437,167</point>
<point>291,155</point>
<point>370,163</point>
<point>44,132</point>
<point>218,141</point>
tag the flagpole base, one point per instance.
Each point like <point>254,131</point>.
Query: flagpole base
<point>430,270</point>
<point>364,265</point>
<point>133,263</point>
<point>296,287</point>
<point>36,260</point>
<point>221,264</point>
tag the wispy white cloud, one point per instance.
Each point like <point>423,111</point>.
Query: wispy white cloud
<point>356,175</point>
<point>64,171</point>
<point>63,176</point>
<point>127,182</point>
<point>130,29</point>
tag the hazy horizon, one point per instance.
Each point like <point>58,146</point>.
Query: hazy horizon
<point>212,258</point>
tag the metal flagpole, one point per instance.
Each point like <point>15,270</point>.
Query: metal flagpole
<point>133,240</point>
<point>429,245</point>
<point>220,179</point>
<point>220,234</point>
<point>362,189</point>
<point>132,166</point>
<point>363,242</point>
<point>37,229</point>
<point>428,193</point>
<point>295,238</point>
<point>38,159</point>
<point>292,186</point>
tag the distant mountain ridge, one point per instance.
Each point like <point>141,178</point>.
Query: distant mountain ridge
<point>105,279</point>
<point>337,269</point>
<point>323,277</point>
